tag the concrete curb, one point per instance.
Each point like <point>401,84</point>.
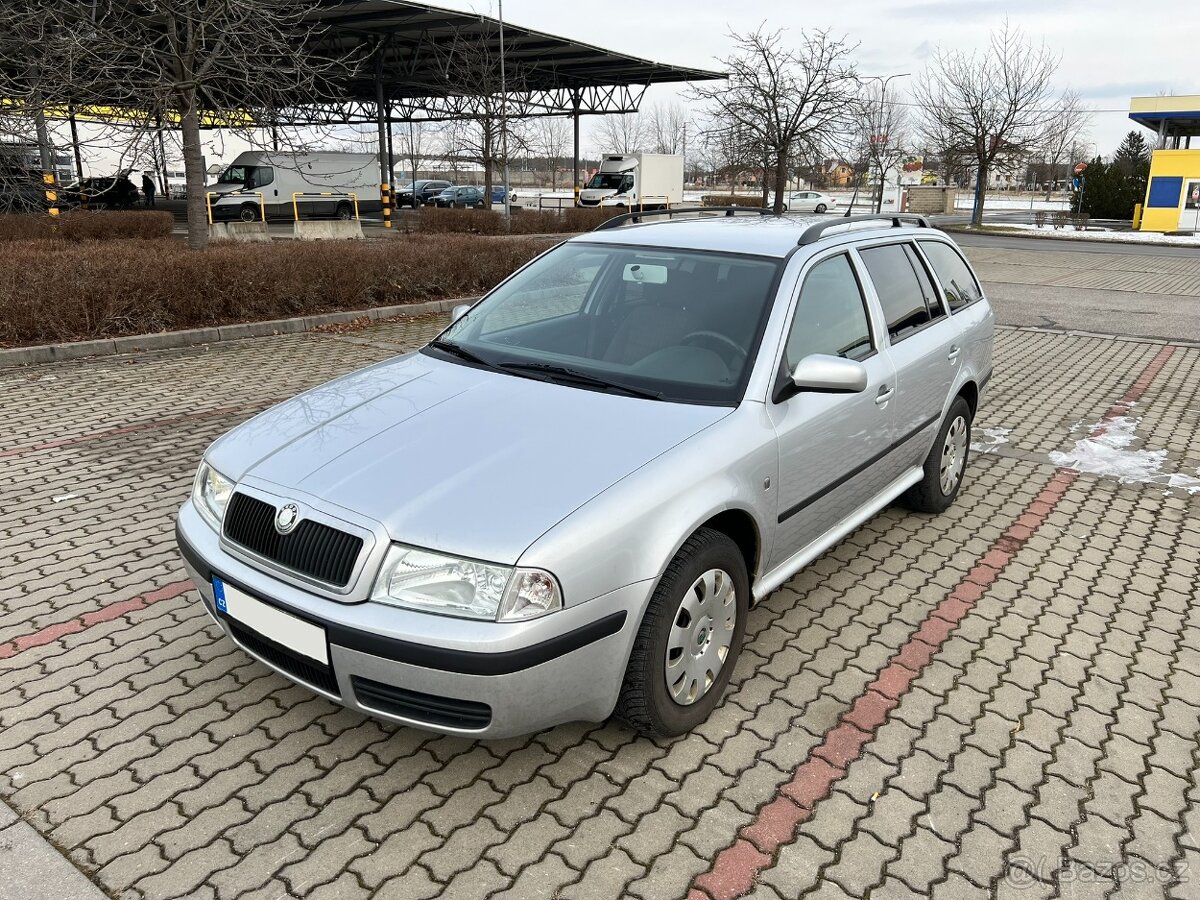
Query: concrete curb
<point>192,337</point>
<point>34,868</point>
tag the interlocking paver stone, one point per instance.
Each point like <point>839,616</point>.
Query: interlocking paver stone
<point>1047,708</point>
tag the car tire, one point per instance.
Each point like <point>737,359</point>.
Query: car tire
<point>946,463</point>
<point>690,597</point>
<point>345,212</point>
<point>821,207</point>
<point>248,212</point>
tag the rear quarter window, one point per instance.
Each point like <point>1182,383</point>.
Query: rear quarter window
<point>958,284</point>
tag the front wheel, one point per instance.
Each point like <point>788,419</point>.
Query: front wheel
<point>248,212</point>
<point>345,212</point>
<point>689,640</point>
<point>945,464</point>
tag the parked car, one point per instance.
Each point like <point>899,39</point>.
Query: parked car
<point>461,196</point>
<point>565,504</point>
<point>809,201</point>
<point>498,194</point>
<point>102,192</point>
<point>419,192</point>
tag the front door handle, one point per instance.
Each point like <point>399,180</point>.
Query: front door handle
<point>953,354</point>
<point>884,395</point>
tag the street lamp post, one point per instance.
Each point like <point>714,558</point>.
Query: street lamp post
<point>503,115</point>
<point>877,131</point>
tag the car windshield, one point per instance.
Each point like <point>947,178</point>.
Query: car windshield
<point>672,324</point>
<point>611,181</point>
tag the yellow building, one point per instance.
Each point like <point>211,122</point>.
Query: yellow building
<point>1173,193</point>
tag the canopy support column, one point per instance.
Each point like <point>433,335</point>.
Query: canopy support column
<point>576,99</point>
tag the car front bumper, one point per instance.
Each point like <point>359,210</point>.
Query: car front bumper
<point>454,676</point>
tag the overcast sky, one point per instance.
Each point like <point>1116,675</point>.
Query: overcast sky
<point>1110,50</point>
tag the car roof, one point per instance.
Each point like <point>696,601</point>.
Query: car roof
<point>759,235</point>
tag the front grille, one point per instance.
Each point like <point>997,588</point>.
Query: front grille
<point>312,549</point>
<point>301,667</point>
<point>445,711</point>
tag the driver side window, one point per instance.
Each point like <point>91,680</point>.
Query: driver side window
<point>831,315</point>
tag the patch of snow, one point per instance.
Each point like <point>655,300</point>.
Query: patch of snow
<point>1105,451</point>
<point>988,439</point>
<point>967,201</point>
<point>1102,234</point>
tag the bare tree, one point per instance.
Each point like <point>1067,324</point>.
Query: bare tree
<point>234,62</point>
<point>785,98</point>
<point>551,137</point>
<point>991,106</point>
<point>1064,129</point>
<point>490,108</point>
<point>622,133</point>
<point>668,126</point>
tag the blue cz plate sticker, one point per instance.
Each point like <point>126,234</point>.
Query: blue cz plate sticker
<point>219,594</point>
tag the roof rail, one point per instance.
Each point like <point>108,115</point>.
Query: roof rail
<point>705,212</point>
<point>813,232</point>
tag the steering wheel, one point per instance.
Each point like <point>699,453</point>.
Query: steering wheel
<point>728,344</point>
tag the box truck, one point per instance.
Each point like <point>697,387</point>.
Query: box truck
<point>636,180</point>
<point>277,176</point>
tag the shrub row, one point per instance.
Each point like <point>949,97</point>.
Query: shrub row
<point>81,225</point>
<point>51,290</point>
<point>431,220</point>
<point>732,200</point>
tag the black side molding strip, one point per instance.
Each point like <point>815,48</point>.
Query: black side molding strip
<point>813,498</point>
<point>465,662</point>
<point>983,382</point>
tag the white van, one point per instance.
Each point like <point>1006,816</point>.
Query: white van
<point>645,180</point>
<point>277,176</point>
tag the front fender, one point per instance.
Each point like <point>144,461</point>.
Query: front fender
<point>629,532</point>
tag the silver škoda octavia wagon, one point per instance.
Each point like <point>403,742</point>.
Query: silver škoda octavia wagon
<point>564,506</point>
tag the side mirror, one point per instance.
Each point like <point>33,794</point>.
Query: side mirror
<point>830,374</point>
<point>461,310</point>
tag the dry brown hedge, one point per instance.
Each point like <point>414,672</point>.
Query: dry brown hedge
<point>732,200</point>
<point>431,220</point>
<point>83,225</point>
<point>53,290</point>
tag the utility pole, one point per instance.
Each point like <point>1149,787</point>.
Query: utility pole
<point>503,117</point>
<point>877,131</point>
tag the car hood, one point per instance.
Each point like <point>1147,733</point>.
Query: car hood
<point>453,457</point>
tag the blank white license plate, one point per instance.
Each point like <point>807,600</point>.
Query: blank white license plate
<point>280,627</point>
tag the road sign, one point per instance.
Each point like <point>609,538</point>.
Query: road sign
<point>1079,168</point>
<point>1075,183</point>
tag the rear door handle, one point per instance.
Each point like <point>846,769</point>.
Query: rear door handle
<point>884,395</point>
<point>953,354</point>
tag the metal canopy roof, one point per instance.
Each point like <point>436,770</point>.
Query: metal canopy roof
<point>409,45</point>
<point>1171,117</point>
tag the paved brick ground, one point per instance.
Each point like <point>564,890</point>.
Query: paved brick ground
<point>1003,700</point>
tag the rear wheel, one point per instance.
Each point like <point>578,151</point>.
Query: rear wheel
<point>821,207</point>
<point>345,211</point>
<point>689,639</point>
<point>945,464</point>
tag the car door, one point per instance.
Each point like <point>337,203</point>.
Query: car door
<point>829,444</point>
<point>924,342</point>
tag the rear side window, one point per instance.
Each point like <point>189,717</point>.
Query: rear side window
<point>831,317</point>
<point>958,283</point>
<point>905,300</point>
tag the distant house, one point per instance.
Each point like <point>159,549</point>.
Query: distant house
<point>838,173</point>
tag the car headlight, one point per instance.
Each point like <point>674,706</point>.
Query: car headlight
<point>454,586</point>
<point>211,492</point>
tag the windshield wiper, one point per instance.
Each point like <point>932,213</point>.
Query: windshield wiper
<point>461,352</point>
<point>562,373</point>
